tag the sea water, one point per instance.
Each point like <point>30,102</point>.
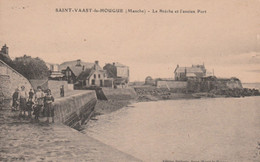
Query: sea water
<point>213,129</point>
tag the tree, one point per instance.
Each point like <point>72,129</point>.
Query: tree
<point>31,68</point>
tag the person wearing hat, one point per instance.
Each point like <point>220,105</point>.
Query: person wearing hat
<point>39,102</point>
<point>23,98</point>
<point>49,110</point>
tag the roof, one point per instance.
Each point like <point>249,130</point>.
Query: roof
<point>111,70</point>
<point>149,77</point>
<point>119,64</point>
<point>76,69</point>
<point>87,65</point>
<point>189,70</point>
<point>85,74</point>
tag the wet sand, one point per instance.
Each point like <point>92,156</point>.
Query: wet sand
<point>25,140</point>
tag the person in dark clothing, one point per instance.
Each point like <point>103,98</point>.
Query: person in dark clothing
<point>49,110</point>
<point>62,91</point>
<point>16,100</point>
<point>31,94</point>
<point>30,104</point>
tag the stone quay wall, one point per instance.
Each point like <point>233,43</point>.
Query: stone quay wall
<point>172,84</point>
<point>74,110</point>
<point>120,93</point>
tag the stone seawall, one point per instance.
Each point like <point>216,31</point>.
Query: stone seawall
<point>74,110</point>
<point>172,84</point>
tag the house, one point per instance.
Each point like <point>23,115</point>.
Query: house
<point>10,80</point>
<point>118,72</point>
<point>72,69</point>
<point>55,73</point>
<point>184,73</point>
<point>94,76</point>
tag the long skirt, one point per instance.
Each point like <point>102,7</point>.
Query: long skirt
<point>37,110</point>
<point>15,103</point>
<point>49,110</point>
<point>23,105</point>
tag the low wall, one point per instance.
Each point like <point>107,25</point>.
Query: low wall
<point>172,84</point>
<point>53,85</point>
<point>70,86</point>
<point>76,109</point>
<point>10,80</point>
<point>120,93</point>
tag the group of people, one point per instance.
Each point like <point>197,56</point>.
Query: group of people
<point>37,103</point>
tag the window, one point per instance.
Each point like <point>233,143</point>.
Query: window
<point>98,75</point>
<point>93,81</point>
<point>95,76</point>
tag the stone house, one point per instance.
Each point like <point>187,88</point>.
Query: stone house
<point>10,79</point>
<point>119,73</point>
<point>94,76</point>
<point>184,73</point>
<point>72,69</point>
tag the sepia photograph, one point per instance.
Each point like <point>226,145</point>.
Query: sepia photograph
<point>130,80</point>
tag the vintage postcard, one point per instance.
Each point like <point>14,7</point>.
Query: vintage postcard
<point>130,80</point>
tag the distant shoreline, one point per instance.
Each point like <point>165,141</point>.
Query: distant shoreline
<point>153,94</point>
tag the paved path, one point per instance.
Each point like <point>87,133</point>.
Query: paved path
<point>29,141</point>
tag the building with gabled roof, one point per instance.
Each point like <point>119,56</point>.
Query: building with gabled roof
<point>195,71</point>
<point>72,69</point>
<point>76,66</point>
<point>94,76</point>
<point>118,72</point>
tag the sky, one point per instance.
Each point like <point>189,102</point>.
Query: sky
<point>226,38</point>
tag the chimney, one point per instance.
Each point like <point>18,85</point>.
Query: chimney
<point>83,68</point>
<point>96,64</point>
<point>4,49</point>
<point>78,62</point>
<point>114,63</point>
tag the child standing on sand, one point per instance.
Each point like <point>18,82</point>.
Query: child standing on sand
<point>49,110</point>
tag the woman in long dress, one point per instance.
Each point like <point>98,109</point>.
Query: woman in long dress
<point>23,99</point>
